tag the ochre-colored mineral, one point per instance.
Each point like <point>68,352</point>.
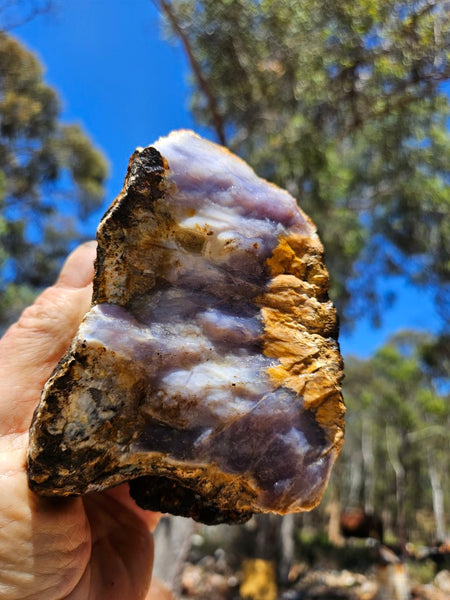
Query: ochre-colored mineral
<point>207,371</point>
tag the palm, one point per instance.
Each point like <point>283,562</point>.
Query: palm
<point>121,549</point>
<point>96,547</point>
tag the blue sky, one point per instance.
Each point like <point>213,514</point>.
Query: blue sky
<point>127,86</point>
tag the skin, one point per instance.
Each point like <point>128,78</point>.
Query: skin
<point>91,548</point>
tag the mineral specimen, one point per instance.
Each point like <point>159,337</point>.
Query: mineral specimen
<point>207,371</point>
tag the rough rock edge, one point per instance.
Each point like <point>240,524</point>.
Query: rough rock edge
<point>180,490</point>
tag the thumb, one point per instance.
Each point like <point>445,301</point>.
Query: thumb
<point>31,348</point>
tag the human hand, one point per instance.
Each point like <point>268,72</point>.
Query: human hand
<point>96,547</point>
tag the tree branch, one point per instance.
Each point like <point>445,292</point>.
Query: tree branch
<point>217,118</point>
<point>34,12</point>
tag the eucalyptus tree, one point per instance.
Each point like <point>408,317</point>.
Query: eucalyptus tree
<point>398,420</point>
<point>344,104</point>
<point>51,179</point>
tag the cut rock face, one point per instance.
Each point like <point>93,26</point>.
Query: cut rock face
<point>207,371</point>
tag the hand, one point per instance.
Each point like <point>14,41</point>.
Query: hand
<point>91,548</point>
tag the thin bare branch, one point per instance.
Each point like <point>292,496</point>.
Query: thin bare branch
<point>9,22</point>
<point>203,84</point>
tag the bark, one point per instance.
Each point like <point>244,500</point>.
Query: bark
<point>369,466</point>
<point>355,480</point>
<point>202,81</point>
<point>438,500</point>
<point>173,542</point>
<point>334,513</point>
<point>287,546</point>
<point>267,535</point>
<point>392,444</point>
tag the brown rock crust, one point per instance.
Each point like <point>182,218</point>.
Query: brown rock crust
<point>245,315</point>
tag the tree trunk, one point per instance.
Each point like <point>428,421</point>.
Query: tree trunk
<point>287,546</point>
<point>173,543</point>
<point>216,117</point>
<point>393,445</point>
<point>354,495</point>
<point>334,513</point>
<point>438,500</point>
<point>369,465</point>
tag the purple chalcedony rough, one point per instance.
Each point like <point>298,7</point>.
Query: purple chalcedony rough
<point>207,371</point>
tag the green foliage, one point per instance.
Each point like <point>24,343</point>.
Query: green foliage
<point>340,102</point>
<point>51,179</point>
<point>398,413</point>
<point>423,571</point>
<point>319,553</point>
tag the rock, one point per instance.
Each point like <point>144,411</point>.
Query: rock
<point>258,580</point>
<point>442,580</point>
<point>207,371</point>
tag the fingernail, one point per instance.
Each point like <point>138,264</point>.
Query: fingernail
<point>90,244</point>
<point>78,270</point>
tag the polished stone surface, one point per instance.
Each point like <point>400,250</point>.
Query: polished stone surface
<point>207,372</point>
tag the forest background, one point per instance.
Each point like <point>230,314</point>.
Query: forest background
<point>345,104</point>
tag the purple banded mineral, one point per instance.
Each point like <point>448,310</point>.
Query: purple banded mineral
<point>207,372</point>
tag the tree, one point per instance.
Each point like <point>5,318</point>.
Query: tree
<point>407,416</point>
<point>51,179</point>
<point>342,103</point>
